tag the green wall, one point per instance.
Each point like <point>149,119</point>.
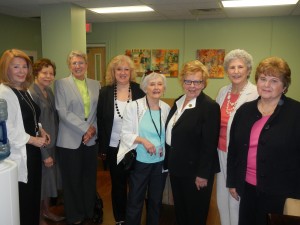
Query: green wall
<point>20,33</point>
<point>261,37</point>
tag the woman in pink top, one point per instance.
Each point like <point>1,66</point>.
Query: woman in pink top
<point>263,166</point>
<point>238,66</point>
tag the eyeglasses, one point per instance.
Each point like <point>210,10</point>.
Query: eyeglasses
<point>78,63</point>
<point>195,82</point>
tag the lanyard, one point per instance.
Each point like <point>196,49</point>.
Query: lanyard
<point>159,134</point>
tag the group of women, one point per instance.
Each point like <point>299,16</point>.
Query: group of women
<point>248,136</point>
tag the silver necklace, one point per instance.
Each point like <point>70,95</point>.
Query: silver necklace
<point>28,102</point>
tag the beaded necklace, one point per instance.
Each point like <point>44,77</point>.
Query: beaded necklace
<point>230,106</point>
<point>116,98</point>
<point>26,98</point>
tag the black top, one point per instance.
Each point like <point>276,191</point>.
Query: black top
<point>28,113</point>
<point>106,110</point>
<point>278,150</point>
<point>195,135</point>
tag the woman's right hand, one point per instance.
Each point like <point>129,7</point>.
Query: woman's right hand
<point>38,141</point>
<point>234,194</point>
<point>147,145</point>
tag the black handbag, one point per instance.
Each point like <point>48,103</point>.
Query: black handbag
<point>129,160</point>
<point>98,210</point>
<point>130,157</point>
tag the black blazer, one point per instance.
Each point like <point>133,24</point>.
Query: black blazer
<point>193,151</point>
<point>106,110</point>
<point>278,150</point>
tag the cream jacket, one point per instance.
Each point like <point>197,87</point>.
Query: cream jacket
<point>247,95</point>
<point>130,127</point>
<point>15,132</point>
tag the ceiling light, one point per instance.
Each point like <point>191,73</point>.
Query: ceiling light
<point>249,3</point>
<point>124,9</point>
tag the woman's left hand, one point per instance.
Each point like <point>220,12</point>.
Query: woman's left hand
<point>200,183</point>
<point>46,135</point>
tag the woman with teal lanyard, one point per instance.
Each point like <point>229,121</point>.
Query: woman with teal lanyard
<point>143,129</point>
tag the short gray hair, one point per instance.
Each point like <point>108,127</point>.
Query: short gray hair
<point>238,54</point>
<point>147,78</point>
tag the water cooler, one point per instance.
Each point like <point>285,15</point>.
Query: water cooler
<point>9,195</point>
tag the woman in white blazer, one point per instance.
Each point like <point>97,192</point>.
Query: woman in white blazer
<point>76,99</point>
<point>238,66</point>
<point>25,134</point>
<point>143,129</point>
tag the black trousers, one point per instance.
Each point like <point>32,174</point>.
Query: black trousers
<point>79,174</point>
<point>30,192</point>
<point>255,206</point>
<point>119,181</point>
<point>145,178</point>
<point>191,206</point>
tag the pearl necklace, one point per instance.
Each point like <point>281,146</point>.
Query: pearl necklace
<point>116,98</point>
<point>230,106</point>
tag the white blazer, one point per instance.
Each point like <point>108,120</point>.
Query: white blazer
<point>130,125</point>
<point>16,132</point>
<point>249,94</point>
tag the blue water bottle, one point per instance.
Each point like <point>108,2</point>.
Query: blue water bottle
<point>4,143</point>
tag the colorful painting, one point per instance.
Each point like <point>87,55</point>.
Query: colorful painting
<point>141,59</point>
<point>213,59</point>
<point>156,59</point>
<point>165,61</point>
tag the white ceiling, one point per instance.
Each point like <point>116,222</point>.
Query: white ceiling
<point>163,9</point>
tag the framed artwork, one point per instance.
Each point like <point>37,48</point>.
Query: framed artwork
<point>141,59</point>
<point>165,61</point>
<point>213,59</point>
<point>156,59</point>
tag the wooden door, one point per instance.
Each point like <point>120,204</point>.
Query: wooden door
<point>96,64</point>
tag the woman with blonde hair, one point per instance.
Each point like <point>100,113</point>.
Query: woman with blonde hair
<point>120,90</point>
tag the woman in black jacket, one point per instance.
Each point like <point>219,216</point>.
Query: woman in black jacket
<point>192,138</point>
<point>263,166</point>
<point>120,89</point>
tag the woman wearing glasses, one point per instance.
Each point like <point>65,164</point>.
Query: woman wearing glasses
<point>143,129</point>
<point>191,142</point>
<point>76,99</point>
<point>238,66</point>
<point>120,89</point>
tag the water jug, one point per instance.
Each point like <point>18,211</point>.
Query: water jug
<point>4,143</point>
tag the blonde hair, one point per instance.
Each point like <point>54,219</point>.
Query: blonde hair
<point>110,78</point>
<point>76,53</point>
<point>5,61</point>
<point>194,66</point>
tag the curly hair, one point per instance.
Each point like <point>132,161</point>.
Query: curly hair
<point>40,64</point>
<point>193,67</point>
<point>110,78</point>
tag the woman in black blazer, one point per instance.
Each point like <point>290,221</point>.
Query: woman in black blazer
<point>192,139</point>
<point>263,166</point>
<point>120,89</point>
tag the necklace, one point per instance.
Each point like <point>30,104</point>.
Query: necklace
<point>116,98</point>
<point>263,110</point>
<point>26,98</point>
<point>230,106</point>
